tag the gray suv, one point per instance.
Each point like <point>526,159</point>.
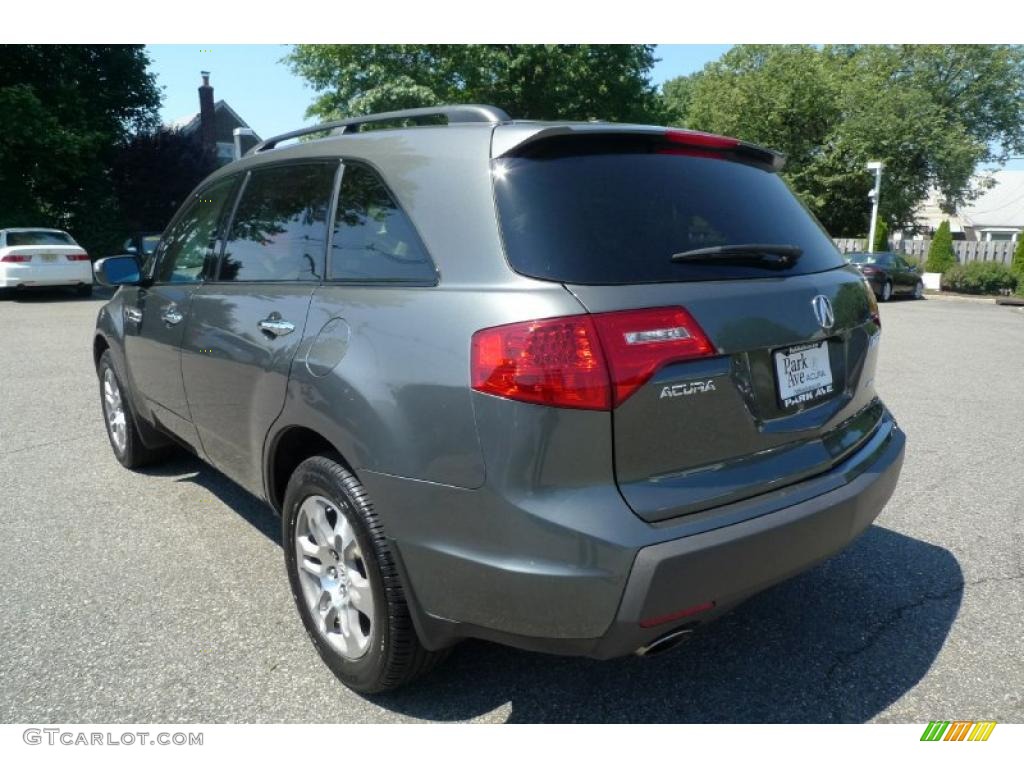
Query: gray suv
<point>572,387</point>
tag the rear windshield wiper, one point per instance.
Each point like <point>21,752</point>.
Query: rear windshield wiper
<point>761,254</point>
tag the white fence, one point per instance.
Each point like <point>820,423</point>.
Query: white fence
<point>978,250</point>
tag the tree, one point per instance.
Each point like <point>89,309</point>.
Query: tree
<point>154,172</point>
<point>881,237</point>
<point>940,252</point>
<point>577,82</point>
<point>66,108</point>
<point>930,113</point>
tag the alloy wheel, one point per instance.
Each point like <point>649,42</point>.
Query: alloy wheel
<point>334,578</point>
<point>113,409</point>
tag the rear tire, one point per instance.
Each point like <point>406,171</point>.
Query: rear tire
<point>886,291</point>
<point>353,607</point>
<point>119,419</point>
<point>919,290</point>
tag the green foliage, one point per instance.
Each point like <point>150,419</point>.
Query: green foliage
<point>578,82</point>
<point>881,236</point>
<point>66,108</point>
<point>984,277</point>
<point>1017,265</point>
<point>152,175</point>
<point>930,113</point>
<point>940,252</point>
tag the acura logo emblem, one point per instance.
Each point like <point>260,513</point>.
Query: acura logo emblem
<point>823,311</point>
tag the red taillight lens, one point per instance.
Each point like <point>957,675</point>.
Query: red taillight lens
<point>16,259</point>
<point>869,270</point>
<point>585,361</point>
<point>639,342</point>
<point>550,362</point>
<point>78,257</point>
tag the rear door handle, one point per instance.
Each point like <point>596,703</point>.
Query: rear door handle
<point>275,326</point>
<point>171,315</point>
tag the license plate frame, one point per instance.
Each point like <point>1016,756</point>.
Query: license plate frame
<point>803,374</point>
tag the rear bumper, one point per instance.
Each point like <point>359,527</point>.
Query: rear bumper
<point>28,275</point>
<point>727,565</point>
<point>575,574</point>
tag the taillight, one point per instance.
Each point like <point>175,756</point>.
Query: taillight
<point>869,270</point>
<point>593,362</point>
<point>639,342</point>
<point>551,362</point>
<point>78,257</point>
<point>16,259</point>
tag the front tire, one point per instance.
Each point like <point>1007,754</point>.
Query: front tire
<point>345,583</point>
<point>919,290</point>
<point>120,419</point>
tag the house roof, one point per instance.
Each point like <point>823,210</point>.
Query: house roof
<point>1000,206</point>
<point>190,123</point>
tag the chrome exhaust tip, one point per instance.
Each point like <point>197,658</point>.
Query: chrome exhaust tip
<point>664,643</point>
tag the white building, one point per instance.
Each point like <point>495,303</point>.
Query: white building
<point>997,214</point>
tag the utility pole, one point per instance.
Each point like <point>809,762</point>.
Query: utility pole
<point>875,166</point>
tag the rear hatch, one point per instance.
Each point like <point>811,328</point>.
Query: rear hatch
<point>786,390</point>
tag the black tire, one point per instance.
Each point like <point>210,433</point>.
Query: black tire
<point>918,290</point>
<point>135,454</point>
<point>84,290</point>
<point>886,288</point>
<point>394,656</point>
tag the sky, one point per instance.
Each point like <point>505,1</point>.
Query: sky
<point>272,100</point>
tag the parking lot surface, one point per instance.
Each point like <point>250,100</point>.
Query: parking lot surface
<point>160,596</point>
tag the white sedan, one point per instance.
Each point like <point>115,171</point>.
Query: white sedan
<point>32,257</point>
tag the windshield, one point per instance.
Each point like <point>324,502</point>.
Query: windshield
<point>615,217</point>
<point>39,237</point>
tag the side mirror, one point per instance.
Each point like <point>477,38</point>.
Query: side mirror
<point>118,270</point>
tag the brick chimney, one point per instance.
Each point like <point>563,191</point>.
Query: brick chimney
<point>207,128</point>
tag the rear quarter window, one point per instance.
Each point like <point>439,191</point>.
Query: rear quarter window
<point>617,217</point>
<point>39,238</point>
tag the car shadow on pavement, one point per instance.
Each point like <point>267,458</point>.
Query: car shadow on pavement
<point>839,643</point>
<point>51,295</point>
<point>187,468</point>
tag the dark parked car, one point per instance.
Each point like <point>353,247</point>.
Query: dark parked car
<point>889,274</point>
<point>143,245</point>
<point>573,387</point>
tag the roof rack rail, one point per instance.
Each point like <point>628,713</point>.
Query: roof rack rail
<point>456,113</point>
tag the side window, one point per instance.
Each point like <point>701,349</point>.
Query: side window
<point>279,232</point>
<point>373,238</point>
<point>187,244</point>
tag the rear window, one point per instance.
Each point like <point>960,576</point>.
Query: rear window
<point>576,215</point>
<point>41,237</point>
<point>870,258</point>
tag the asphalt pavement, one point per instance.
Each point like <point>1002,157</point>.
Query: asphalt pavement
<point>160,596</point>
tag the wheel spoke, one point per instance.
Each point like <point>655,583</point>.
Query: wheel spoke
<point>314,569</point>
<point>355,634</point>
<point>361,593</point>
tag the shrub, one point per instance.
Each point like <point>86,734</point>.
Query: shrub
<point>1017,265</point>
<point>940,253</point>
<point>881,237</point>
<point>986,277</point>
